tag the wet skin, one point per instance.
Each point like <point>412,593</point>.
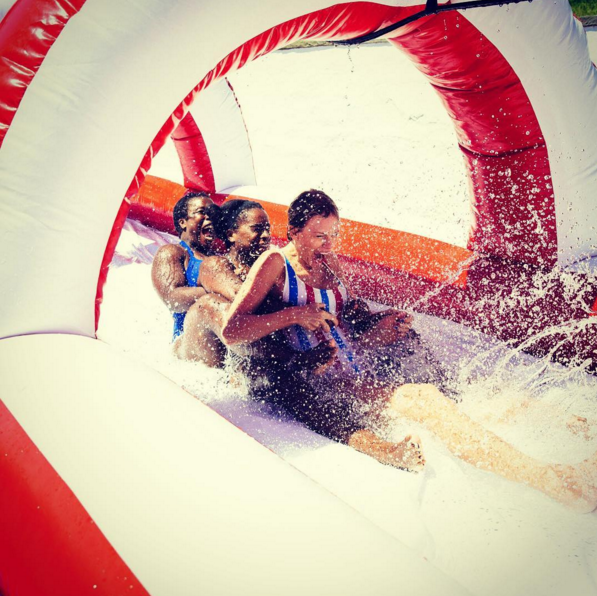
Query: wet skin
<point>168,272</point>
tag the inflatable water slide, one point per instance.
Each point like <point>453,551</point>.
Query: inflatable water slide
<point>114,479</point>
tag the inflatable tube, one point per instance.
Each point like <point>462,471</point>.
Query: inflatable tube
<point>70,146</point>
<point>152,486</point>
<point>214,120</point>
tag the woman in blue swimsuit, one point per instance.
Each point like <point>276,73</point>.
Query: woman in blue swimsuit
<point>307,272</point>
<point>175,268</point>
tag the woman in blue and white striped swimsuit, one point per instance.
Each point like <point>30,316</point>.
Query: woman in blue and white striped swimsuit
<point>296,292</point>
<point>306,276</point>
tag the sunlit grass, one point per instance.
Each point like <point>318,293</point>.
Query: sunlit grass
<point>583,8</point>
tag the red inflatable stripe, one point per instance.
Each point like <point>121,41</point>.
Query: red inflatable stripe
<point>499,135</point>
<point>193,155</point>
<point>27,33</point>
<point>50,545</point>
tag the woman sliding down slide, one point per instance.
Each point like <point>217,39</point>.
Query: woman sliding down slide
<point>306,274</point>
<point>175,269</point>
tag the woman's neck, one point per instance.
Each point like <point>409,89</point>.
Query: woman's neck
<point>310,265</point>
<point>240,262</point>
<point>199,251</point>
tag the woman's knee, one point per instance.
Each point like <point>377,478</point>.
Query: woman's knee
<point>206,313</point>
<point>419,400</point>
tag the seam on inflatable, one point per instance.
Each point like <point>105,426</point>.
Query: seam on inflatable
<point>240,109</point>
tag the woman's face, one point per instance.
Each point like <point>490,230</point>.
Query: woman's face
<point>318,237</point>
<point>252,236</point>
<point>197,223</point>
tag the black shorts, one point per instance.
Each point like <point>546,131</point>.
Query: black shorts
<point>288,389</point>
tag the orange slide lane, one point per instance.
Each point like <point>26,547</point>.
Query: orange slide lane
<point>416,255</point>
<point>496,296</point>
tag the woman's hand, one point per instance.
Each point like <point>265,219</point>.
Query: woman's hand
<point>319,359</point>
<point>314,317</point>
<point>391,327</point>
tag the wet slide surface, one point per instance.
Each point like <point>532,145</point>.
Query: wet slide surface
<point>459,518</point>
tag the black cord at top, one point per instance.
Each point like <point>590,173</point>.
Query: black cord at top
<point>430,8</point>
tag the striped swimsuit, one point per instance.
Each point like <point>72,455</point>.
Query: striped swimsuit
<point>298,293</point>
<point>314,400</point>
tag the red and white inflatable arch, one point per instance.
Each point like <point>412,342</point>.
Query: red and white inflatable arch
<point>113,479</point>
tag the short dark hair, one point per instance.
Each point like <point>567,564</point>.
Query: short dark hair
<point>181,209</point>
<point>229,215</point>
<point>307,205</point>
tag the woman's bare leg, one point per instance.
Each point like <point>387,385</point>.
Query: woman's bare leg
<point>200,342</point>
<point>577,425</point>
<point>406,454</point>
<point>575,486</point>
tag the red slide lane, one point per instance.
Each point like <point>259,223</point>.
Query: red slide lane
<point>49,544</point>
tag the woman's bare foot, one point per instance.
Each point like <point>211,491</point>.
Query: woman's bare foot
<point>577,486</point>
<point>406,455</point>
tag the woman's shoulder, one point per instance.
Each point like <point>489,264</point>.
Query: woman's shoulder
<point>269,269</point>
<point>216,263</point>
<point>169,252</point>
<point>216,260</point>
<point>272,259</point>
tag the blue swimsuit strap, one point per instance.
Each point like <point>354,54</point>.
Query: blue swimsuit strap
<point>293,299</point>
<point>192,270</point>
<point>192,277</point>
<point>187,248</point>
<point>334,331</point>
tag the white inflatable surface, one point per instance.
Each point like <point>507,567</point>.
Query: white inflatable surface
<point>73,134</point>
<point>189,501</point>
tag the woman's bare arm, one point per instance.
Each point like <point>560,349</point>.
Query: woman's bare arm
<point>243,326</point>
<point>217,277</point>
<point>169,279</point>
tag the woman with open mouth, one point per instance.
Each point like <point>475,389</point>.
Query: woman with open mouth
<point>175,268</point>
<point>306,274</point>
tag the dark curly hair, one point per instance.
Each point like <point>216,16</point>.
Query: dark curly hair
<point>307,205</point>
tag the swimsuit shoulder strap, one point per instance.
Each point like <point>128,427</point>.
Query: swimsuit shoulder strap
<point>294,286</point>
<point>192,270</point>
<point>188,249</point>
